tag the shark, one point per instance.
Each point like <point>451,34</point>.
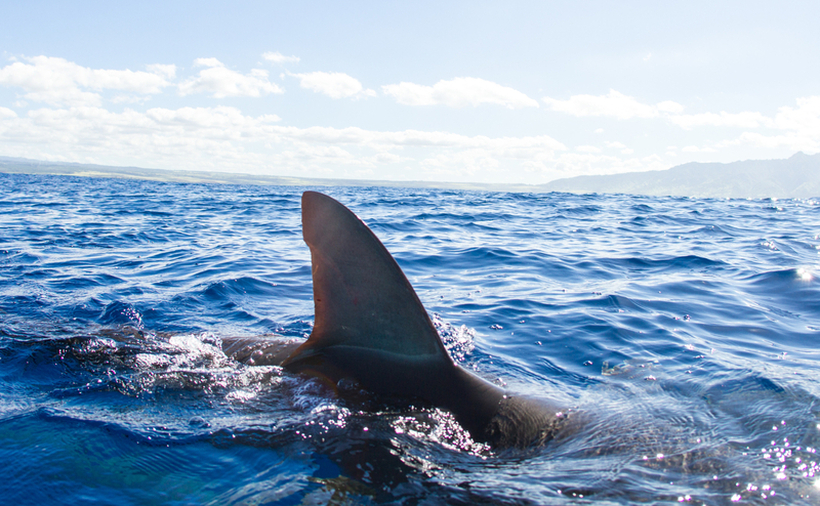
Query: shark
<point>371,328</point>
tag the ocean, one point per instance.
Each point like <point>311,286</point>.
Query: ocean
<point>686,332</point>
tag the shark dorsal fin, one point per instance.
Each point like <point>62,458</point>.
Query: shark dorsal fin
<point>361,296</point>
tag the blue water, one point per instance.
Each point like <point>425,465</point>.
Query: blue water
<point>685,331</point>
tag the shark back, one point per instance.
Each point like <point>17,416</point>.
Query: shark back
<point>371,327</point>
<point>362,298</point>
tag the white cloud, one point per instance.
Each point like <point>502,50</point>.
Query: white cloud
<point>723,119</point>
<point>794,141</point>
<point>192,138</point>
<point>614,104</point>
<point>333,84</point>
<point>456,165</point>
<point>801,124</point>
<point>167,71</point>
<point>794,128</point>
<point>508,146</point>
<point>58,81</point>
<point>798,128</point>
<point>697,149</point>
<point>669,106</point>
<point>410,94</point>
<point>222,82</point>
<point>128,99</point>
<point>617,145</point>
<point>459,92</point>
<point>198,118</point>
<point>805,117</point>
<point>223,138</point>
<point>277,57</point>
<point>78,128</point>
<point>388,158</point>
<point>587,149</point>
<point>208,62</point>
<point>226,139</point>
<point>576,164</point>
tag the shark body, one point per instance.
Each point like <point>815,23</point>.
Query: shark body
<point>370,327</point>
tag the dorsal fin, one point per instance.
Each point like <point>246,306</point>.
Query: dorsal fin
<point>362,298</point>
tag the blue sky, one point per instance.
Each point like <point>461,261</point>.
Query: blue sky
<point>512,92</point>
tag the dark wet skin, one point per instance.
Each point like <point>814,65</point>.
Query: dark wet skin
<point>371,328</point>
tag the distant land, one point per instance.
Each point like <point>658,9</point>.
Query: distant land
<point>27,166</point>
<point>794,177</point>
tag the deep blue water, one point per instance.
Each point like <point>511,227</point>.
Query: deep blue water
<point>686,330</point>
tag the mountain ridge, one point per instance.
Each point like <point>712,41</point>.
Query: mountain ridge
<point>795,177</point>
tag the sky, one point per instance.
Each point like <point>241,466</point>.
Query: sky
<point>469,91</point>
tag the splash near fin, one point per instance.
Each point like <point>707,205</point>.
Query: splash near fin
<point>362,298</point>
<point>371,327</point>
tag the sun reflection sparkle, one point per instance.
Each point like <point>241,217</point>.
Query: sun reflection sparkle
<point>804,274</point>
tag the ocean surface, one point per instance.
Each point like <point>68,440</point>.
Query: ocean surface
<point>685,331</point>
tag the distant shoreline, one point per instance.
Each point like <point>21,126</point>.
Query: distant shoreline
<point>795,177</point>
<point>27,166</point>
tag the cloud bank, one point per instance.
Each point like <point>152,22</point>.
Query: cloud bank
<point>62,110</point>
<point>214,137</point>
<point>57,81</point>
<point>613,104</point>
<point>277,57</point>
<point>459,92</point>
<point>222,82</point>
<point>333,84</point>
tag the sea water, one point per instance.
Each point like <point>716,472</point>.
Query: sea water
<point>684,332</point>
